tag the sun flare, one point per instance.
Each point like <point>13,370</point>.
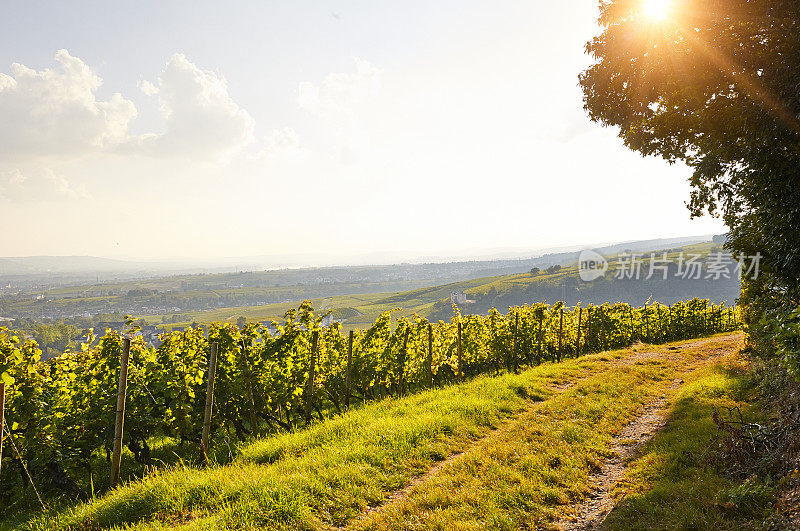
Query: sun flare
<point>657,9</point>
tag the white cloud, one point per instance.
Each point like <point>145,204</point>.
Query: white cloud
<point>202,120</point>
<point>37,184</point>
<point>341,92</point>
<point>282,143</point>
<point>53,115</point>
<point>147,88</point>
<point>55,112</point>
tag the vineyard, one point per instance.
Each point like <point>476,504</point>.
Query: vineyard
<point>61,415</point>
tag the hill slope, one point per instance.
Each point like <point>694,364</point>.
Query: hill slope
<point>531,442</point>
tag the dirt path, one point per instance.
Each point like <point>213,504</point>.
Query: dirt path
<point>635,435</point>
<point>595,508</point>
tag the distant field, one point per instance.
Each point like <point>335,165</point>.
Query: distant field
<point>363,310</point>
<point>361,303</point>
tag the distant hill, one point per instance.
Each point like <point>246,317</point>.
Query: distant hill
<point>61,264</point>
<point>565,285</point>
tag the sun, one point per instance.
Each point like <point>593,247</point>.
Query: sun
<point>656,9</point>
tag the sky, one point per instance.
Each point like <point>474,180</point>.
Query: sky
<point>194,129</point>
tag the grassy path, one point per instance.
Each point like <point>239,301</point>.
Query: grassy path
<point>499,452</point>
<point>591,513</point>
<point>545,468</point>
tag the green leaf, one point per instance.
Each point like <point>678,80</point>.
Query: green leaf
<point>7,378</point>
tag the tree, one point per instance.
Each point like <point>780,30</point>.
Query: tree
<point>535,270</point>
<point>719,239</point>
<point>713,85</point>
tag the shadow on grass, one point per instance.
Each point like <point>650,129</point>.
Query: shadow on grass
<point>679,481</point>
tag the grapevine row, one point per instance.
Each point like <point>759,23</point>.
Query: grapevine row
<point>61,412</point>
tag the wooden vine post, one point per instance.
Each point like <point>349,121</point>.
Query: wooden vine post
<point>401,362</point>
<point>429,363</point>
<point>248,382</point>
<point>514,344</point>
<point>539,348</point>
<point>119,425</point>
<point>2,419</point>
<point>646,324</point>
<point>630,322</point>
<point>212,371</point>
<point>460,370</point>
<point>347,375</point>
<point>578,341</point>
<point>560,331</point>
<point>309,391</point>
<point>671,335</point>
<point>602,328</point>
<point>588,340</point>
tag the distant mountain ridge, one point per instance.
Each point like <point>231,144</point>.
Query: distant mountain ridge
<point>61,264</point>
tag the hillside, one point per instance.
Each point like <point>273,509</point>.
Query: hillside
<point>511,451</point>
<point>565,285</point>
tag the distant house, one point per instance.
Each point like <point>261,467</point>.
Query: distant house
<point>330,319</point>
<point>458,297</point>
<point>115,326</point>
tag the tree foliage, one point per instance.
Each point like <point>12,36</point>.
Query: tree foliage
<point>714,85</point>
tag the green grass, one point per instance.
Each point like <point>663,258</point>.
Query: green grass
<point>677,482</point>
<point>328,474</point>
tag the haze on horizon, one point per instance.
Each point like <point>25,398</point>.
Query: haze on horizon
<point>188,130</point>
